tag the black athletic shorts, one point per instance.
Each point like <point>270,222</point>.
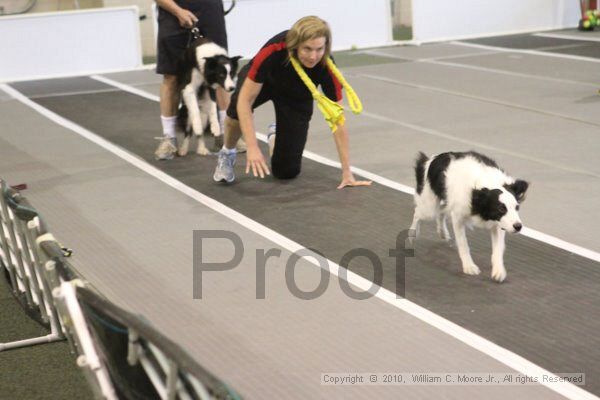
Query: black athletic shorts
<point>173,39</point>
<point>292,119</point>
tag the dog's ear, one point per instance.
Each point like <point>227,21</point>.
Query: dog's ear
<point>234,64</point>
<point>518,188</point>
<point>483,201</point>
<point>480,195</point>
<point>479,199</point>
<point>210,62</point>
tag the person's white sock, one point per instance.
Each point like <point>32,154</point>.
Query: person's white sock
<point>222,114</point>
<point>229,151</point>
<point>169,125</point>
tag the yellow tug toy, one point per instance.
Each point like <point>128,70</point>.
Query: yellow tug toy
<point>332,111</point>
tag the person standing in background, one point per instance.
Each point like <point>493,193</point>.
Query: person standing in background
<point>175,19</point>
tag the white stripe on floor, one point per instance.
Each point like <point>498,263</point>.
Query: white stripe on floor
<point>436,61</point>
<point>532,52</point>
<point>61,76</point>
<point>478,98</point>
<point>580,38</point>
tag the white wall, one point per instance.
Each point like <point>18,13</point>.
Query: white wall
<point>146,26</point>
<point>360,23</point>
<point>455,19</point>
<point>69,43</point>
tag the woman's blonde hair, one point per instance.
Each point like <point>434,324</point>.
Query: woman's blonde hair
<point>308,28</point>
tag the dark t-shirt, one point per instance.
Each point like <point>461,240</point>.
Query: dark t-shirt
<point>271,66</point>
<point>174,39</point>
<point>209,13</point>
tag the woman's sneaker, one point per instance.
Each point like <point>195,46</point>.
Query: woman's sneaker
<point>225,163</point>
<point>271,137</point>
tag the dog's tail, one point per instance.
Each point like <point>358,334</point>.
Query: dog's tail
<point>182,120</point>
<point>420,170</point>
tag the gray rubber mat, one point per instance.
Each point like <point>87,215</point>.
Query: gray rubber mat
<point>547,310</point>
<point>550,44</point>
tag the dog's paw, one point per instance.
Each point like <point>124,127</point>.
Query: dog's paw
<point>203,151</point>
<point>444,235</point>
<point>215,128</point>
<point>471,269</point>
<point>184,148</point>
<point>498,274</point>
<point>446,238</point>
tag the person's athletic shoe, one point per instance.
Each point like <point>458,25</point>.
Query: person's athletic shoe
<point>166,149</point>
<point>271,137</point>
<point>224,170</point>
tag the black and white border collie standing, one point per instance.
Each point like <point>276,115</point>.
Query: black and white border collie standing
<point>204,67</point>
<point>472,190</point>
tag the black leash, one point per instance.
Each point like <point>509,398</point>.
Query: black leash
<point>194,34</point>
<point>230,8</point>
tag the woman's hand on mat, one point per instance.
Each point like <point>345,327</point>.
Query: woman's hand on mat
<point>186,18</point>
<point>348,180</point>
<point>256,161</point>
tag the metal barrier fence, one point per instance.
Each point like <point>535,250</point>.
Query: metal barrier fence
<point>20,226</point>
<point>121,354</point>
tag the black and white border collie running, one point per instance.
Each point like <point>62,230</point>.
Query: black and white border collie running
<point>204,67</point>
<point>472,190</point>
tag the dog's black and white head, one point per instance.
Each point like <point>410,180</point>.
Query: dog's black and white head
<point>217,68</point>
<point>500,205</point>
<point>220,70</point>
<point>206,64</point>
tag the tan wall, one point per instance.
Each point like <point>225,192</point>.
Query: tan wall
<point>402,12</point>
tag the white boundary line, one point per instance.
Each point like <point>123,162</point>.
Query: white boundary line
<point>79,74</point>
<point>511,73</point>
<point>542,237</point>
<point>568,37</point>
<point>532,52</point>
<point>126,88</point>
<point>473,340</point>
<point>445,39</point>
<point>475,97</point>
<point>436,60</point>
<point>74,93</point>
